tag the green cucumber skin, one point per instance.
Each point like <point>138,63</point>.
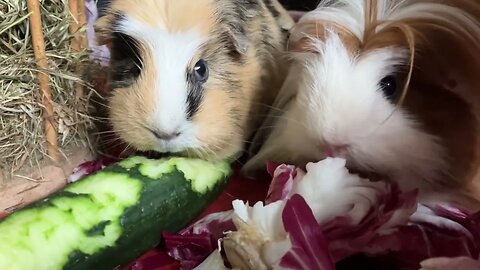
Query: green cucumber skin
<point>157,215</point>
<point>168,203</point>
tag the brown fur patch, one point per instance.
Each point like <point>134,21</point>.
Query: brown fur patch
<point>319,30</point>
<point>450,118</point>
<point>169,15</point>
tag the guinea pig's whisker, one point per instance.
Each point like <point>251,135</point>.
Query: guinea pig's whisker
<point>188,150</point>
<point>102,118</point>
<point>286,118</point>
<point>368,135</point>
<point>117,142</point>
<point>127,147</point>
<point>206,148</point>
<point>209,152</point>
<point>135,52</point>
<point>101,103</point>
<point>270,107</point>
<point>109,132</point>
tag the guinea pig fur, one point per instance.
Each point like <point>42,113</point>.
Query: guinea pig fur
<point>391,86</point>
<point>190,77</point>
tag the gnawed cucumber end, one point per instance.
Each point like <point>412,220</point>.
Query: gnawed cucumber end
<point>203,175</point>
<point>34,234</point>
<point>133,161</point>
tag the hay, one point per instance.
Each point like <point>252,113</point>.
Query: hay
<point>22,141</point>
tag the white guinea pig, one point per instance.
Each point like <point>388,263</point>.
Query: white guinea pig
<point>392,86</point>
<point>188,77</point>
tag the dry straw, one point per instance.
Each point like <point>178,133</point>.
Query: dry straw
<point>22,139</point>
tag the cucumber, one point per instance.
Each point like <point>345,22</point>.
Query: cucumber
<point>111,217</point>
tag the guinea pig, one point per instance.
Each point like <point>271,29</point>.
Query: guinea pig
<point>192,77</point>
<point>391,86</point>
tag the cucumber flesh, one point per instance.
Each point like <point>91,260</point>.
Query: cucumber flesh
<point>200,173</point>
<point>114,214</point>
<point>58,228</point>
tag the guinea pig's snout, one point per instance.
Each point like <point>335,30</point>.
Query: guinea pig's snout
<point>332,150</point>
<point>166,136</point>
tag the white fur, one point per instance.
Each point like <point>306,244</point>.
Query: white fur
<point>350,14</point>
<point>339,102</point>
<point>172,53</point>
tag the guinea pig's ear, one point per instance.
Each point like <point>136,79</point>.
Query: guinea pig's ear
<point>103,28</point>
<point>240,40</point>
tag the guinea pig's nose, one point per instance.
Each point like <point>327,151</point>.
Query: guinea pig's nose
<point>166,136</point>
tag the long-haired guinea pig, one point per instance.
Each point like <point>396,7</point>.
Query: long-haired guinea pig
<point>191,77</point>
<point>392,86</point>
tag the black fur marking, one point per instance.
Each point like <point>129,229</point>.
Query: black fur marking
<point>125,59</point>
<point>125,62</point>
<point>272,8</point>
<point>103,6</point>
<point>195,95</point>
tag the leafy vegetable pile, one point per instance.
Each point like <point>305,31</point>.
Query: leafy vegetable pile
<point>316,218</point>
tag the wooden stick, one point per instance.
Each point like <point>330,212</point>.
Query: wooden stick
<point>43,77</point>
<point>74,26</point>
<point>78,20</point>
<point>82,21</point>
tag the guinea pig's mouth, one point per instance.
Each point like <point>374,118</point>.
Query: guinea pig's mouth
<point>370,175</point>
<point>341,151</point>
<point>158,155</point>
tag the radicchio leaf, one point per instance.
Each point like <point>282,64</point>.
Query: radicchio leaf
<point>309,247</point>
<point>433,231</point>
<point>194,244</point>
<point>282,182</point>
<point>347,238</point>
<point>88,168</point>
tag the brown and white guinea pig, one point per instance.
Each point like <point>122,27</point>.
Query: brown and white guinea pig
<point>189,77</point>
<point>392,86</point>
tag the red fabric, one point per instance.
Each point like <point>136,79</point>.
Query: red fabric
<point>251,190</point>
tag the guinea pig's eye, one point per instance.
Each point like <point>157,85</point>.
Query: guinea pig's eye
<point>389,86</point>
<point>200,71</point>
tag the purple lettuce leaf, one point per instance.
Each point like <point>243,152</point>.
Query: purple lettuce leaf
<point>433,231</point>
<point>393,209</point>
<point>309,247</point>
<point>282,182</point>
<point>194,244</point>
<point>88,168</point>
